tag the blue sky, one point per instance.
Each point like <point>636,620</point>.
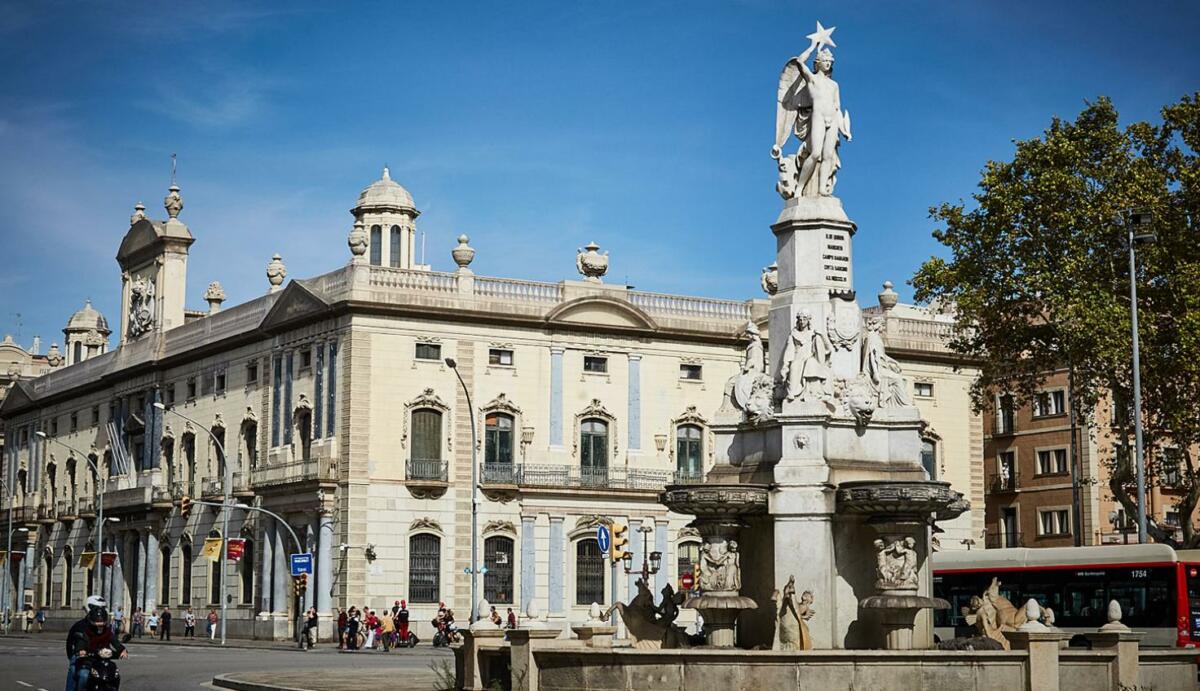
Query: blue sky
<point>533,127</point>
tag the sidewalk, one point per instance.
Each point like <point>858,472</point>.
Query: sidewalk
<point>197,642</point>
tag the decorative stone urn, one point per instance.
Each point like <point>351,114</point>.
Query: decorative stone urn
<point>276,272</point>
<point>591,263</point>
<point>357,241</point>
<point>214,296</point>
<point>463,254</point>
<point>900,512</point>
<point>888,297</point>
<point>718,509</point>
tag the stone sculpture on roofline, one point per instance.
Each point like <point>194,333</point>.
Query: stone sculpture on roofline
<point>817,446</point>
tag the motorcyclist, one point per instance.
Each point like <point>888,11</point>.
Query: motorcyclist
<point>90,637</point>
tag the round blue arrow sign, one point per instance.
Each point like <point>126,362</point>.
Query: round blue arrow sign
<point>603,537</point>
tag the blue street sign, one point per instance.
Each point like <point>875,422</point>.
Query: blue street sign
<point>302,563</point>
<point>604,538</point>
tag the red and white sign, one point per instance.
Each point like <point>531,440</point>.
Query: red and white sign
<point>687,581</point>
<point>234,548</point>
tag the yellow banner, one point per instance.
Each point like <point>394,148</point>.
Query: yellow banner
<point>212,548</point>
<point>87,559</point>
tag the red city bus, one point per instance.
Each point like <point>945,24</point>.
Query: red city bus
<point>1158,588</point>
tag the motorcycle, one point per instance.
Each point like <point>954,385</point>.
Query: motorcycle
<point>445,635</point>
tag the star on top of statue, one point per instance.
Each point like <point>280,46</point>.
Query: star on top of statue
<point>822,36</point>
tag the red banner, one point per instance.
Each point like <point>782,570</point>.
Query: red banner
<point>108,558</point>
<point>18,556</point>
<point>234,548</point>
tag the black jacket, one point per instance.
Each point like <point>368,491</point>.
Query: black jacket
<point>83,638</point>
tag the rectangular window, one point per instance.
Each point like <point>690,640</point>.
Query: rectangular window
<point>306,359</point>
<point>923,389</point>
<point>54,427</point>
<point>1005,415</point>
<point>206,382</point>
<point>318,398</point>
<point>331,385</point>
<point>252,372</point>
<point>191,388</point>
<point>1171,518</point>
<point>595,363</point>
<point>219,381</point>
<point>1169,467</point>
<point>1049,403</point>
<point>500,356</point>
<point>424,568</point>
<point>288,374</point>
<point>169,395</point>
<point>276,399</point>
<point>691,372</point>
<point>1052,462</point>
<point>74,422</point>
<point>95,415</point>
<point>429,351</point>
<point>1054,522</point>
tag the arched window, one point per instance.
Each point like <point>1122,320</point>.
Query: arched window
<point>689,452</point>
<point>376,246</point>
<point>246,565</point>
<point>189,461</point>
<point>52,478</point>
<point>68,560</point>
<point>396,240</point>
<point>929,457</point>
<point>250,441</point>
<point>218,433</point>
<point>77,352</point>
<point>426,461</point>
<point>498,433</point>
<point>498,581</point>
<point>164,573</point>
<point>687,557</point>
<point>214,573</point>
<point>593,453</point>
<point>47,578</point>
<point>71,464</point>
<point>185,570</point>
<point>168,459</point>
<point>424,568</point>
<point>589,572</point>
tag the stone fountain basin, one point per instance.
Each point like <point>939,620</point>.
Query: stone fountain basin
<point>716,500</point>
<point>916,498</point>
<point>901,602</point>
<point>710,601</point>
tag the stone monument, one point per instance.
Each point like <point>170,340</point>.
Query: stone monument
<point>826,483</point>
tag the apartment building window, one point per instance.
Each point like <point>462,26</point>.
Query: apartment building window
<point>318,393</point>
<point>589,572</point>
<point>1052,461</point>
<point>252,372</point>
<point>1171,518</point>
<point>206,382</point>
<point>74,422</point>
<point>1169,462</point>
<point>689,452</point>
<point>498,558</point>
<point>498,439</point>
<point>191,388</point>
<point>305,359</point>
<point>96,415</point>
<point>929,458</point>
<point>276,399</point>
<point>219,381</point>
<point>593,452</point>
<point>1049,403</point>
<point>1006,468</point>
<point>500,356</point>
<point>424,567</point>
<point>923,389</point>
<point>1005,415</point>
<point>691,372</point>
<point>331,385</point>
<point>428,351</point>
<point>596,364</point>
<point>1054,522</point>
<point>169,394</point>
<point>54,427</point>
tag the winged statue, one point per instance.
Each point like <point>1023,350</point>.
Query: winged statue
<point>810,107</point>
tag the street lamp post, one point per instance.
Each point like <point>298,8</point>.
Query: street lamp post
<point>227,482</point>
<point>651,561</point>
<point>8,556</point>
<point>474,502</point>
<point>100,486</point>
<point>1134,221</point>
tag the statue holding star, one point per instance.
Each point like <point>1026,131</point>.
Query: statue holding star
<point>810,107</point>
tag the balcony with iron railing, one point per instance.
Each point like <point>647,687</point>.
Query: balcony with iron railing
<point>47,513</point>
<point>427,470</point>
<point>543,476</point>
<point>1001,484</point>
<point>66,510</point>
<point>86,506</point>
<point>311,471</point>
<point>181,489</point>
<point>688,477</point>
<point>1003,539</point>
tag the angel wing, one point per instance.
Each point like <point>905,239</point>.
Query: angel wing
<point>792,97</point>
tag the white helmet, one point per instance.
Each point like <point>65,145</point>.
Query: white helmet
<point>94,602</point>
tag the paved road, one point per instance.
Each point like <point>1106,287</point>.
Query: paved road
<point>39,663</point>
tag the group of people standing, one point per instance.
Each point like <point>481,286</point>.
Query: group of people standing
<point>370,629</point>
<point>159,624</point>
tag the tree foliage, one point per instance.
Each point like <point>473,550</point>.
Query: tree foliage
<point>1038,268</point>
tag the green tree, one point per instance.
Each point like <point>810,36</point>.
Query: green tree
<point>1038,270</point>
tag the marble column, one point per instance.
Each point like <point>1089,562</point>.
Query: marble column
<point>635,402</point>
<point>310,544</point>
<point>325,538</point>
<point>140,597</point>
<point>528,562</point>
<point>556,397</point>
<point>266,559</point>
<point>635,548</point>
<point>279,584</point>
<point>152,557</point>
<point>557,571</point>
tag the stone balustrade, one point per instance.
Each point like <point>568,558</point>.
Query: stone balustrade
<point>312,470</point>
<point>533,476</point>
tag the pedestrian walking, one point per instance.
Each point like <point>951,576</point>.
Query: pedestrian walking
<point>164,626</point>
<point>139,622</point>
<point>341,628</point>
<point>387,631</point>
<point>371,623</point>
<point>41,618</point>
<point>212,624</point>
<point>310,627</point>
<point>352,625</point>
<point>189,624</point>
<point>119,621</point>
<point>152,623</point>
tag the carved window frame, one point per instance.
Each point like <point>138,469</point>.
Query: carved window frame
<point>501,404</point>
<point>428,400</point>
<point>691,416</point>
<point>596,410</point>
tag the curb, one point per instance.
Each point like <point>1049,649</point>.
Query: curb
<point>282,647</point>
<point>226,681</point>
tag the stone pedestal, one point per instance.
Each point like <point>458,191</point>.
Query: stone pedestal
<point>1126,644</point>
<point>472,665</point>
<point>595,635</point>
<point>522,643</point>
<point>1043,646</point>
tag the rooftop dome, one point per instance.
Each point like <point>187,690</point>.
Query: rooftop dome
<point>384,193</point>
<point>87,319</point>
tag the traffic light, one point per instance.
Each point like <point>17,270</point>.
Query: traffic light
<point>300,584</point>
<point>620,538</point>
<point>185,506</point>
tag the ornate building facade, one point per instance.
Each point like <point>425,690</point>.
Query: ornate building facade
<point>340,402</point>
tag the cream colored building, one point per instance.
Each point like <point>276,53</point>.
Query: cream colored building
<point>337,407</point>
